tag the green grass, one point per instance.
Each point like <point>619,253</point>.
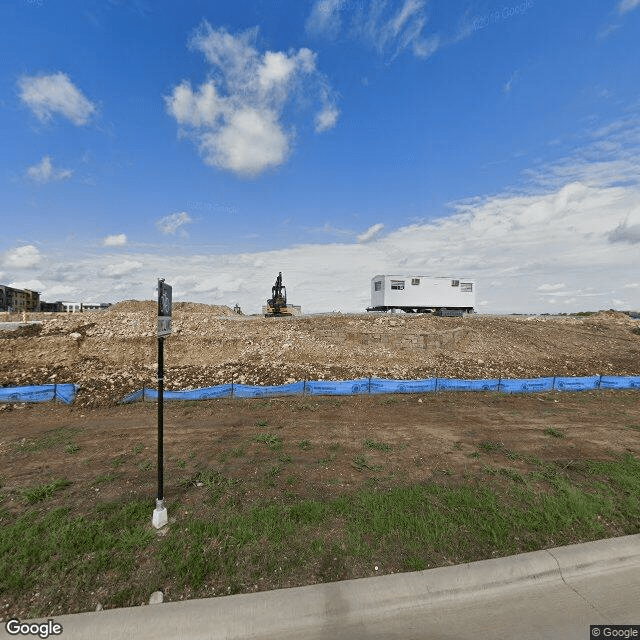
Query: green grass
<point>139,448</point>
<point>489,446</point>
<point>72,448</point>
<point>147,465</point>
<point>106,477</point>
<point>288,538</point>
<point>53,549</point>
<point>379,446</point>
<point>43,492</point>
<point>118,461</point>
<point>262,423</point>
<point>553,432</point>
<point>305,445</point>
<point>272,441</point>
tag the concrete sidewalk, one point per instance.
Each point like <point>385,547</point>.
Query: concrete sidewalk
<point>547,595</point>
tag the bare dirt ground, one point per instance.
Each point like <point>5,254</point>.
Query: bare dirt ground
<point>428,436</point>
<point>112,353</point>
<point>327,447</point>
<point>323,446</point>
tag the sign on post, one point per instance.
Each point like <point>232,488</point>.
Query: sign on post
<point>164,329</point>
<point>164,309</point>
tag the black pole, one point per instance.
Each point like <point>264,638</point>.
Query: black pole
<point>160,419</point>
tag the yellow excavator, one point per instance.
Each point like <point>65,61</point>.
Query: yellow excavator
<point>277,303</point>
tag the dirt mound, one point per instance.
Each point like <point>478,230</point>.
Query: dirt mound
<point>133,305</point>
<point>114,352</point>
<point>198,307</point>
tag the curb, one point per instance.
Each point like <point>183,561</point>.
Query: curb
<point>290,611</point>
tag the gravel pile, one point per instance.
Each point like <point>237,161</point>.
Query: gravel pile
<point>114,352</point>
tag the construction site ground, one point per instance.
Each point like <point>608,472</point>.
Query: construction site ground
<point>111,353</point>
<point>296,448</point>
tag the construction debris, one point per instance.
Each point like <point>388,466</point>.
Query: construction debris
<point>111,353</point>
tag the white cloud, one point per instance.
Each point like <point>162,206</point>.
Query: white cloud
<point>45,172</point>
<point>118,240</point>
<point>250,142</point>
<point>550,287</point>
<point>389,27</point>
<point>24,257</point>
<point>56,292</point>
<point>625,233</point>
<point>628,5</point>
<point>236,117</point>
<point>562,228</point>
<point>171,223</point>
<point>122,268</point>
<point>506,89</point>
<point>371,232</point>
<point>32,285</point>
<point>47,95</point>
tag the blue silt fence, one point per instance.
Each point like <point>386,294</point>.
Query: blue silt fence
<point>39,393</point>
<point>620,382</point>
<point>529,385</point>
<point>577,383</point>
<point>447,384</point>
<point>249,391</point>
<point>384,385</point>
<point>337,387</point>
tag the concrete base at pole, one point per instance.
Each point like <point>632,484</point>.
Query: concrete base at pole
<point>159,515</point>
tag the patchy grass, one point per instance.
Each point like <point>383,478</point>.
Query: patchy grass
<point>272,441</point>
<point>48,440</point>
<point>43,492</point>
<point>378,446</point>
<point>489,446</point>
<point>300,541</point>
<point>553,432</point>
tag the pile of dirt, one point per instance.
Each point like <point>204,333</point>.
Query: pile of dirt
<point>111,353</point>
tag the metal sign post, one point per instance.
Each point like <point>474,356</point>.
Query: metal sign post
<point>164,329</point>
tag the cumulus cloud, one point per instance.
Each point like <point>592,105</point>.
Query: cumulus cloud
<point>625,233</point>
<point>118,240</point>
<point>122,268</point>
<point>171,223</point>
<point>371,232</point>
<point>44,171</point>
<point>48,95</point>
<point>628,5</point>
<point>236,117</point>
<point>24,257</point>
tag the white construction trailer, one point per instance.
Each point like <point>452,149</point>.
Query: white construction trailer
<point>423,294</point>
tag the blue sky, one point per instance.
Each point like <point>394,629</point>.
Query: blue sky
<point>331,140</point>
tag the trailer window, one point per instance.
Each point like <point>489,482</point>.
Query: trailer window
<point>397,284</point>
<point>455,283</point>
<point>415,281</point>
<point>466,287</point>
<point>377,285</point>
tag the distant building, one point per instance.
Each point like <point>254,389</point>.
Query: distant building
<point>18,300</point>
<point>51,307</point>
<point>26,300</point>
